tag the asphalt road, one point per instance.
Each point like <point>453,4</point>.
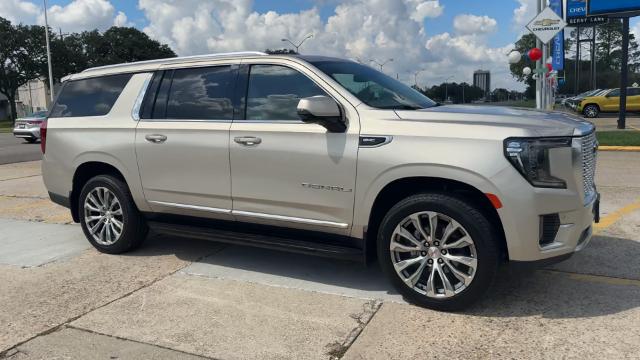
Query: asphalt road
<point>13,150</point>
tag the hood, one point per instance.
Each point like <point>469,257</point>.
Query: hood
<point>540,123</point>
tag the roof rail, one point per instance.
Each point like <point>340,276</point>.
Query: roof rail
<point>180,58</point>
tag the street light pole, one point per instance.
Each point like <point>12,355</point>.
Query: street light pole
<point>46,34</point>
<point>299,44</point>
<point>381,64</point>
<point>446,88</point>
<point>415,76</point>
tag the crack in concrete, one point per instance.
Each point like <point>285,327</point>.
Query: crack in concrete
<point>369,309</point>
<point>20,177</point>
<point>138,342</point>
<point>3,353</point>
<point>24,197</point>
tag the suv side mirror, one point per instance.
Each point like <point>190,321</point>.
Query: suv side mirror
<point>321,110</point>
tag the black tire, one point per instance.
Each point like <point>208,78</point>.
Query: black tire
<point>134,229</point>
<point>591,111</point>
<point>474,222</point>
<point>31,140</point>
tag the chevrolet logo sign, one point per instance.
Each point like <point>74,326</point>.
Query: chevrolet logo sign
<point>546,22</point>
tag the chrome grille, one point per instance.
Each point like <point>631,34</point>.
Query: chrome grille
<point>588,148</point>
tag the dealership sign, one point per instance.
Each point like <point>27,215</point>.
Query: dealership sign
<point>613,7</point>
<point>577,14</point>
<point>557,49</point>
<point>546,25</point>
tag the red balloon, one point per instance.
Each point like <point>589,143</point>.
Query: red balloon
<point>535,54</point>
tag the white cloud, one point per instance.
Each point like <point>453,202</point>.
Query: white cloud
<point>363,29</point>
<point>122,20</point>
<point>523,14</point>
<point>473,24</point>
<point>81,15</point>
<point>426,9</point>
<point>636,30</point>
<point>460,55</point>
<point>18,11</point>
<point>77,15</point>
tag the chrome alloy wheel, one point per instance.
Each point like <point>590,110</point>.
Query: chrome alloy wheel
<point>591,111</point>
<point>433,254</point>
<point>103,216</point>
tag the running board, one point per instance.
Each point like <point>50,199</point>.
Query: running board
<point>259,240</point>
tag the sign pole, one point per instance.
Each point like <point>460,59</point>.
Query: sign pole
<point>538,82</point>
<point>624,76</point>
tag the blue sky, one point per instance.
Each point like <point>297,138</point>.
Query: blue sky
<point>501,10</point>
<point>442,38</point>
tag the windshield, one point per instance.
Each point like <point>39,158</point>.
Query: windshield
<point>373,87</point>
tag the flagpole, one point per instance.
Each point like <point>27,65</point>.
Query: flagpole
<point>46,34</point>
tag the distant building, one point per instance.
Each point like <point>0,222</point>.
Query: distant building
<point>482,79</point>
<point>32,96</point>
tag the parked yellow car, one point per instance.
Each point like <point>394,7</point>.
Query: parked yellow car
<point>609,101</point>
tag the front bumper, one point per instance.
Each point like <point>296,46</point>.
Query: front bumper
<point>27,133</point>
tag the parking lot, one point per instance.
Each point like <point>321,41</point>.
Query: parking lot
<point>181,298</point>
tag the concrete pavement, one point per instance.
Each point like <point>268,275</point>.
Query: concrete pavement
<point>180,298</point>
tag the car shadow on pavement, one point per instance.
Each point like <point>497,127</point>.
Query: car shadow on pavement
<point>602,279</point>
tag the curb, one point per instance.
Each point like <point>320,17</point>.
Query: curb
<point>619,148</point>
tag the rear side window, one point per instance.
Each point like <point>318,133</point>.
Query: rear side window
<point>203,93</point>
<point>89,97</point>
<point>274,92</point>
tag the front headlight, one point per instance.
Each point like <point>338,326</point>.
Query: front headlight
<point>530,156</point>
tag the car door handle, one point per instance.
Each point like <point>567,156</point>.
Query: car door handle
<point>247,140</point>
<point>156,138</point>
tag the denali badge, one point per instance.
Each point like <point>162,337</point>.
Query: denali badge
<point>325,187</point>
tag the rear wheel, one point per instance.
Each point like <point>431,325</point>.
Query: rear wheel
<point>438,250</point>
<point>109,218</point>
<point>31,140</point>
<point>591,111</point>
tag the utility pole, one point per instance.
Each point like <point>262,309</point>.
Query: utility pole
<point>446,88</point>
<point>539,81</point>
<point>46,34</point>
<point>624,77</point>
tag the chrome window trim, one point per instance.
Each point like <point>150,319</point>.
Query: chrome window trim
<point>186,120</point>
<point>192,207</point>
<point>135,112</point>
<point>290,219</point>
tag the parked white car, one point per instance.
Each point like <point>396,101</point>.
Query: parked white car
<point>28,127</point>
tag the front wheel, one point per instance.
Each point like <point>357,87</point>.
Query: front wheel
<point>591,111</point>
<point>108,216</point>
<point>439,251</point>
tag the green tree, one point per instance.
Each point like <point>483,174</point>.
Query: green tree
<point>20,56</point>
<point>120,45</point>
<point>524,44</point>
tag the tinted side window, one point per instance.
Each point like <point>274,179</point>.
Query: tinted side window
<point>633,92</point>
<point>89,97</point>
<point>274,92</point>
<point>614,93</point>
<point>201,93</point>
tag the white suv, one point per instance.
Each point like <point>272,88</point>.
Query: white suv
<point>323,156</point>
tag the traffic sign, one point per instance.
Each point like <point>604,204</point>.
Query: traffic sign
<point>546,25</point>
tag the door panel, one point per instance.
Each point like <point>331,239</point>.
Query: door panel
<point>190,168</point>
<point>183,144</point>
<point>297,175</point>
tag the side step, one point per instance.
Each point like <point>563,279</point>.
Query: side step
<point>260,240</point>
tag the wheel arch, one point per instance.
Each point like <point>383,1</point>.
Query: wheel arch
<point>83,173</point>
<point>401,188</point>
